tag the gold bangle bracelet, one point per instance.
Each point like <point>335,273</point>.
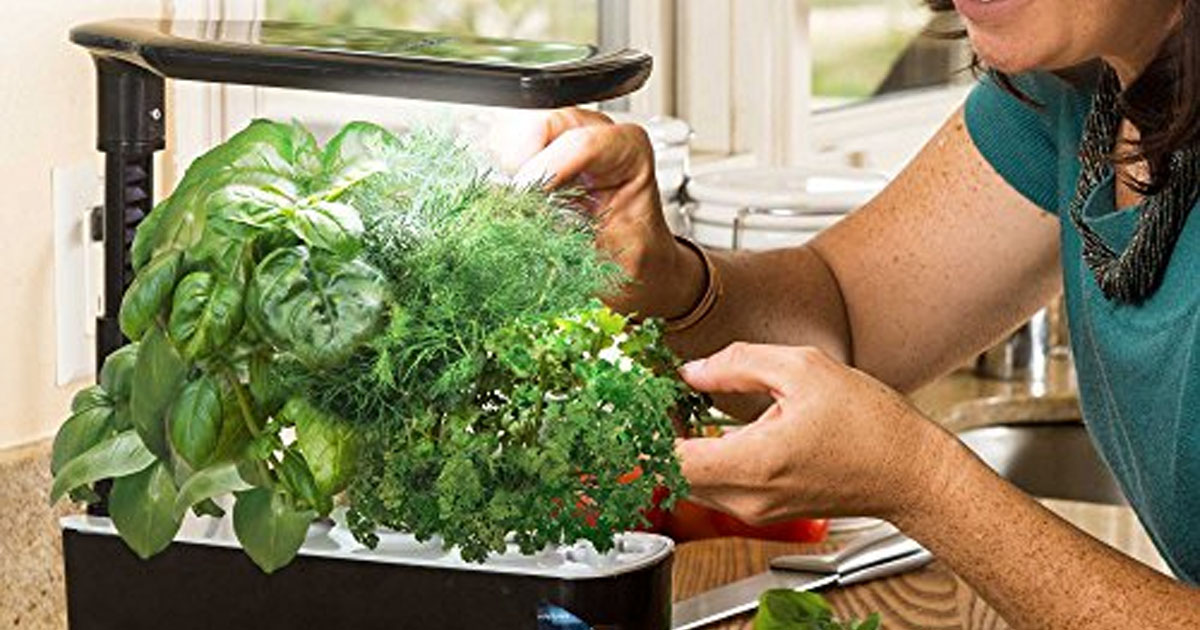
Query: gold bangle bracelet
<point>708,299</point>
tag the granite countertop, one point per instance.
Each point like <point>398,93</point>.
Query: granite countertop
<point>963,400</point>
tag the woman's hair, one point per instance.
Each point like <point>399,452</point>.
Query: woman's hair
<point>1163,103</point>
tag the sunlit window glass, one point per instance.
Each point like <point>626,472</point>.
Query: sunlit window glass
<point>866,48</point>
<point>554,20</point>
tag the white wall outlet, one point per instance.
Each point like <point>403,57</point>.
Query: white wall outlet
<point>78,269</point>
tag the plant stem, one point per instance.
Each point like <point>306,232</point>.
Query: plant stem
<point>239,392</point>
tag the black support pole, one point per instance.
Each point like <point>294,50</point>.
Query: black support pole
<point>131,128</point>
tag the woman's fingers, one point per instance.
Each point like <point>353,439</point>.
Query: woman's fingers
<point>731,473</point>
<point>743,368</point>
<point>706,462</point>
<point>519,135</point>
<point>611,155</point>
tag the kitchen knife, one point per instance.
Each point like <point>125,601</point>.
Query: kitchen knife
<point>875,554</point>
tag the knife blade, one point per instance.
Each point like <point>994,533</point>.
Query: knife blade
<point>741,596</point>
<point>876,555</point>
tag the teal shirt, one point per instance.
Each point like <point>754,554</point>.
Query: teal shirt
<point>1138,366</point>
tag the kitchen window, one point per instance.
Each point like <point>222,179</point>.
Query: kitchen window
<point>760,81</point>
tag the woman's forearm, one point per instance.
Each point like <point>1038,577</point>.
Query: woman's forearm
<point>785,297</point>
<point>1035,569</point>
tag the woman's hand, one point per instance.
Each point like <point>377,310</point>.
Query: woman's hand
<point>615,165</point>
<point>834,442</point>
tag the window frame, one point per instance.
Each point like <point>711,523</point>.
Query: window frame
<point>738,71</point>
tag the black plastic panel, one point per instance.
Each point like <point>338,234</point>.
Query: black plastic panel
<point>200,587</point>
<point>406,64</point>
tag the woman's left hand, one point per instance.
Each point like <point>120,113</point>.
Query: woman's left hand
<point>834,442</point>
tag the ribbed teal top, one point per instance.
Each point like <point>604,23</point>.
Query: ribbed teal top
<point>1138,366</point>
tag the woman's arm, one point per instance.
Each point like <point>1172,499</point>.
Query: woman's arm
<point>1035,569</point>
<point>939,265</point>
<point>836,442</point>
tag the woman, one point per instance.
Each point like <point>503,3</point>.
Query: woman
<point>1009,202</point>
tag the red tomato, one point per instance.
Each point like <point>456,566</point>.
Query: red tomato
<point>793,530</point>
<point>630,476</point>
<point>689,521</point>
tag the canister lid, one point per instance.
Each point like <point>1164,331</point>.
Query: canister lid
<point>817,189</point>
<point>663,130</point>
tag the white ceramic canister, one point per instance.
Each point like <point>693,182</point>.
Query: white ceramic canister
<point>769,207</point>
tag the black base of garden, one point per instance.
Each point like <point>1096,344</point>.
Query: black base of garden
<point>196,586</point>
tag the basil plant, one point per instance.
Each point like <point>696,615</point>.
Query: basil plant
<point>252,258</point>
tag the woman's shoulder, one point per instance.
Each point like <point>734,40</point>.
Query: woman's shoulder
<point>1022,123</point>
<point>1052,97</point>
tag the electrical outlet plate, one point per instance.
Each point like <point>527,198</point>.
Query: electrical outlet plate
<point>78,270</point>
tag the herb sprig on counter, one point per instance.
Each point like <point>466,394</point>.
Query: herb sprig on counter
<point>378,316</point>
<point>785,609</point>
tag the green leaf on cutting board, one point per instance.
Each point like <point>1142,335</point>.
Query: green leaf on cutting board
<point>270,529</point>
<point>785,609</point>
<point>117,456</point>
<point>142,508</point>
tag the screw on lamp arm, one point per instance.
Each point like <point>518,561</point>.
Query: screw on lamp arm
<point>131,128</point>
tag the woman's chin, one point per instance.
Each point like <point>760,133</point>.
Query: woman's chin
<point>1002,54</point>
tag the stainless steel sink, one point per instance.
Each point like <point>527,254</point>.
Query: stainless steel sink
<point>1036,445</point>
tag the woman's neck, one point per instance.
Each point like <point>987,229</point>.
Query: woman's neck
<point>1142,45</point>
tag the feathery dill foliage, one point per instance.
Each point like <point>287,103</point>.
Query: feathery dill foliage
<point>500,400</point>
<point>463,256</point>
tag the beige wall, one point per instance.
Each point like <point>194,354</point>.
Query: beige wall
<point>47,118</point>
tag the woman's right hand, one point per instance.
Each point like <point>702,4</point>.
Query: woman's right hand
<point>614,163</point>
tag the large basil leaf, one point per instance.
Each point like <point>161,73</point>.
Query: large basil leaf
<point>250,201</point>
<point>195,421</point>
<point>358,151</point>
<point>144,237</point>
<point>264,146</point>
<point>328,443</point>
<point>206,313</point>
<point>149,294</point>
<point>235,436</point>
<point>266,386</point>
<point>89,397</point>
<point>298,479</point>
<point>83,430</point>
<point>316,305</point>
<point>270,529</point>
<point>327,225</point>
<point>286,155</point>
<point>214,481</point>
<point>117,456</point>
<point>142,508</point>
<point>116,377</point>
<point>157,377</point>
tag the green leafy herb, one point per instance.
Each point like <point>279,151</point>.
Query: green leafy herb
<point>785,609</point>
<point>433,337</point>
